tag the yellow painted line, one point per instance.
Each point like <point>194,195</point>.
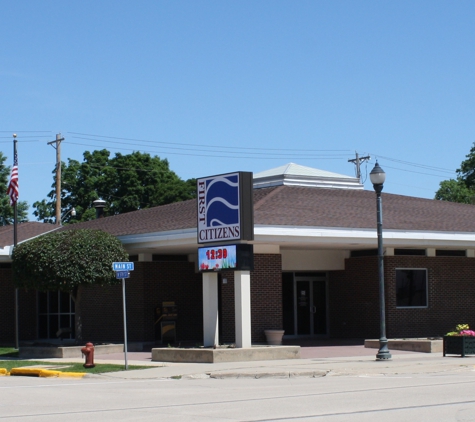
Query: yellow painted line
<point>71,374</point>
<point>26,371</point>
<point>45,373</point>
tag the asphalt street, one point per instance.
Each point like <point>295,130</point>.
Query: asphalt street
<point>350,385</point>
<point>420,397</point>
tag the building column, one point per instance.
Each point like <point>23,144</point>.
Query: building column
<point>242,305</point>
<point>210,309</point>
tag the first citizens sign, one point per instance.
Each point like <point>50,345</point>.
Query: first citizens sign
<point>225,208</point>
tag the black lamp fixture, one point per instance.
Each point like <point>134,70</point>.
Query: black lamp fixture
<point>378,176</point>
<point>72,211</point>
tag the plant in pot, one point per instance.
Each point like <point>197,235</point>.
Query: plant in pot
<point>274,337</point>
<point>460,341</point>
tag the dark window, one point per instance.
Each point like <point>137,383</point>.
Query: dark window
<point>411,288</point>
<point>420,252</point>
<point>449,252</point>
<point>55,312</point>
<point>364,252</point>
<point>173,258</point>
<point>322,275</point>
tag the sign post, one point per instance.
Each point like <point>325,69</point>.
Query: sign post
<point>122,271</point>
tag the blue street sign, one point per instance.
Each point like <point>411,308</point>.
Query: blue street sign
<point>123,266</point>
<point>122,274</point>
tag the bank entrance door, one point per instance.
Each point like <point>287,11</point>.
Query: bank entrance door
<point>304,300</point>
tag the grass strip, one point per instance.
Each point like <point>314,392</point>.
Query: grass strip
<point>72,367</point>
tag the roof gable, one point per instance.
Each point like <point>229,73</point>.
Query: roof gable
<point>296,175</point>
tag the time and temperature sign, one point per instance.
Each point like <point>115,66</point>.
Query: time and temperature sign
<point>217,254</point>
<point>227,257</point>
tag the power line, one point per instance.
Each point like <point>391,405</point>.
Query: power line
<point>415,164</point>
<point>20,142</point>
<point>413,171</point>
<point>25,131</point>
<point>195,148</point>
<point>225,156</point>
<point>202,145</point>
<point>29,136</point>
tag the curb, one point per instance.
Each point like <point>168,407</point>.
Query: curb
<point>43,373</point>
<point>274,374</point>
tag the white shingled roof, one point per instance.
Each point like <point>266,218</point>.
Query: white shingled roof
<point>296,175</point>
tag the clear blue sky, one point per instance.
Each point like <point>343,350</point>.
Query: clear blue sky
<point>221,86</point>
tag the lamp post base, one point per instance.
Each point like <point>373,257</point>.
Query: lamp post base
<point>383,352</point>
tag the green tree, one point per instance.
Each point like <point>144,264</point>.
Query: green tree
<point>67,261</point>
<point>455,191</point>
<point>6,210</point>
<point>461,189</point>
<point>126,182</point>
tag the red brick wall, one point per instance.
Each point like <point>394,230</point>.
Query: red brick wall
<point>354,297</point>
<point>26,311</point>
<point>7,308</point>
<point>451,298</point>
<point>150,284</point>
<point>353,301</point>
<point>266,299</point>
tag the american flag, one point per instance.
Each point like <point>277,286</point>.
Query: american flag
<point>12,190</point>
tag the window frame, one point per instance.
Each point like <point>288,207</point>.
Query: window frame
<point>426,288</point>
<point>54,309</point>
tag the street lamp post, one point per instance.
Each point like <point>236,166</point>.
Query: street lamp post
<point>378,176</point>
<point>72,211</point>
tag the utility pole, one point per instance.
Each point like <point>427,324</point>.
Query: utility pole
<point>57,146</point>
<point>357,161</point>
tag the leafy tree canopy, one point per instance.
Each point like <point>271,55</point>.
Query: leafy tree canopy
<point>63,260</point>
<point>6,210</point>
<point>466,172</point>
<point>455,191</point>
<point>461,189</point>
<point>126,182</point>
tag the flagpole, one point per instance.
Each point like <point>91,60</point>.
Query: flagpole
<point>15,240</point>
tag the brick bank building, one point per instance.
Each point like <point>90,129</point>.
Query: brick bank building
<point>315,268</point>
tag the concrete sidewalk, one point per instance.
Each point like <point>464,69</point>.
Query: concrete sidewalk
<point>316,361</point>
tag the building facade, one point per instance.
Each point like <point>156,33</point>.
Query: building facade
<point>315,268</point>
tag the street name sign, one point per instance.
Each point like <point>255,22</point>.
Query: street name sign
<point>123,266</point>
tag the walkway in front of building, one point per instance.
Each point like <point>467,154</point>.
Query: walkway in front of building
<point>318,359</point>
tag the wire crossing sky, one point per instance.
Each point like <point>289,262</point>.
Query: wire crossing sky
<point>217,87</point>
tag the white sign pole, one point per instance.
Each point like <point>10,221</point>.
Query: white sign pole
<point>125,324</point>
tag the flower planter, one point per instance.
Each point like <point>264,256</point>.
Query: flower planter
<point>274,337</point>
<point>459,345</point>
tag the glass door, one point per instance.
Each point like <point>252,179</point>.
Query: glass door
<point>310,305</point>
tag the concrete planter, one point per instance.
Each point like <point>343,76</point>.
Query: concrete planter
<point>274,337</point>
<point>424,345</point>
<point>209,355</point>
<point>459,345</point>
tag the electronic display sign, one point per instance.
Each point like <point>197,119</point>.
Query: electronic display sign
<point>226,257</point>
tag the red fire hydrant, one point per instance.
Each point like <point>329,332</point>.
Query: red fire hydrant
<point>88,351</point>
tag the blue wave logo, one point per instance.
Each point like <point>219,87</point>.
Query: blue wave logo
<point>222,201</point>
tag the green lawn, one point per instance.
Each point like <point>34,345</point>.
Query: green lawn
<point>10,352</point>
<point>68,366</point>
